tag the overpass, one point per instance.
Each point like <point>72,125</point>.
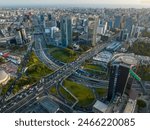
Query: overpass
<point>48,81</point>
<point>45,83</point>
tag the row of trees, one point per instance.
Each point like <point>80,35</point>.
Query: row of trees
<point>140,48</point>
<point>144,72</point>
<point>2,60</point>
<point>146,34</point>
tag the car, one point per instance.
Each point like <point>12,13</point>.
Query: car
<point>37,98</point>
<point>4,106</point>
<point>30,91</point>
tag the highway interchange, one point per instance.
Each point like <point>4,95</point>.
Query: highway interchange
<point>45,83</point>
<point>22,100</point>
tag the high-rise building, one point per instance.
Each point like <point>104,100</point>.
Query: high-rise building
<point>132,31</point>
<point>23,34</point>
<point>121,35</point>
<point>58,24</point>
<point>49,17</point>
<point>19,36</point>
<point>118,20</point>
<point>136,32</point>
<point>85,23</point>
<point>66,30</point>
<point>102,28</point>
<point>95,31</point>
<point>110,24</point>
<point>119,75</point>
<point>124,35</point>
<point>128,25</point>
<point>42,17</point>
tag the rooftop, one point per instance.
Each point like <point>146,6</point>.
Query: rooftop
<point>130,107</point>
<point>49,105</point>
<point>3,76</point>
<point>128,59</point>
<point>100,106</point>
<point>104,56</point>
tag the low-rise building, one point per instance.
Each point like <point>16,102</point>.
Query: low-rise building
<point>103,57</point>
<point>99,107</point>
<point>130,107</point>
<point>4,77</point>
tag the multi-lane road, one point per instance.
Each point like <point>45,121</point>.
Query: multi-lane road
<point>45,83</point>
<point>41,55</point>
<point>30,94</point>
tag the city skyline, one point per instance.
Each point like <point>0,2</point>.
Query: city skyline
<point>106,3</point>
<point>82,58</point>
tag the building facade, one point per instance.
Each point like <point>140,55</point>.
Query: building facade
<point>119,75</point>
<point>66,30</point>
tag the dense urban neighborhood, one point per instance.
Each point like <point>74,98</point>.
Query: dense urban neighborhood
<point>74,60</point>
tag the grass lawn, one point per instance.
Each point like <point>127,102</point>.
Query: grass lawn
<point>51,48</point>
<point>63,54</point>
<point>101,74</point>
<point>102,92</point>
<point>94,67</point>
<point>53,90</point>
<point>67,96</point>
<point>5,87</point>
<point>95,70</point>
<point>144,72</point>
<point>84,94</point>
<point>36,70</point>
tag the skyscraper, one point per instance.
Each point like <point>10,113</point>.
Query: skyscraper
<point>110,24</point>
<point>95,31</point>
<point>19,36</point>
<point>42,17</point>
<point>49,17</point>
<point>128,25</point>
<point>124,35</point>
<point>66,30</point>
<point>23,34</point>
<point>119,75</point>
<point>121,35</point>
<point>102,27</point>
<point>118,20</point>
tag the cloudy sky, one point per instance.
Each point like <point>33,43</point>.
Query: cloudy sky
<point>52,2</point>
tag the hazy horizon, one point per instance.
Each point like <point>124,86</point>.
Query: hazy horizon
<point>77,3</point>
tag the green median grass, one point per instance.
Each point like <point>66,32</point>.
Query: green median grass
<point>36,70</point>
<point>63,54</point>
<point>67,96</point>
<point>93,67</point>
<point>53,90</point>
<point>95,70</point>
<point>102,92</point>
<point>84,94</point>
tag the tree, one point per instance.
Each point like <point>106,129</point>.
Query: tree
<point>1,60</point>
<point>141,104</point>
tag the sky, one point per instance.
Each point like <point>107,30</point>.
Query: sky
<point>75,2</point>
